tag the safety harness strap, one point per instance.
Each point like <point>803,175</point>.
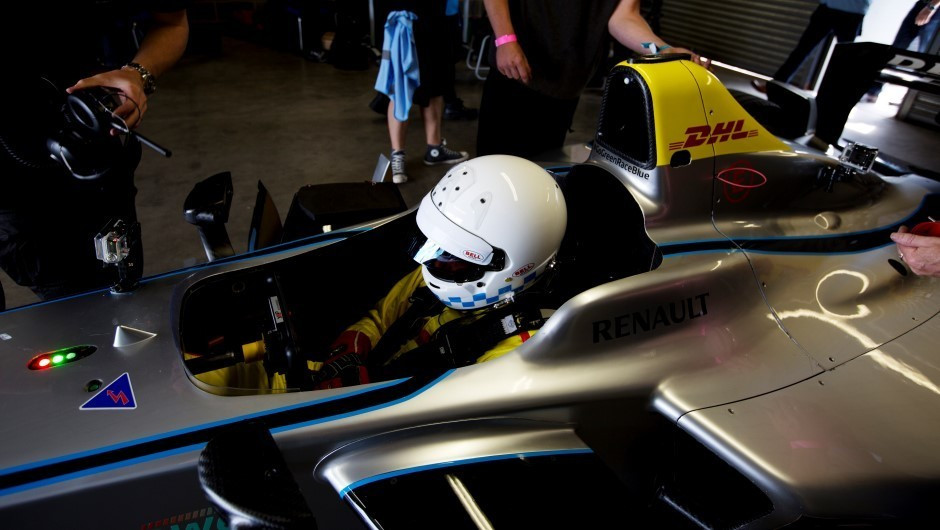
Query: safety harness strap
<point>423,305</point>
<point>462,341</point>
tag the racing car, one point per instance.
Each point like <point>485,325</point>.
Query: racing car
<point>736,345</point>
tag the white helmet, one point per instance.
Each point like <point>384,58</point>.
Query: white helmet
<point>492,225</point>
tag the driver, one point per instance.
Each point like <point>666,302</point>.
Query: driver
<point>488,231</point>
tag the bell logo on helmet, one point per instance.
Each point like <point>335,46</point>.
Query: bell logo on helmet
<point>473,255</point>
<point>524,269</point>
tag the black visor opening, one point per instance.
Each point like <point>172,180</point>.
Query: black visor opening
<point>449,268</point>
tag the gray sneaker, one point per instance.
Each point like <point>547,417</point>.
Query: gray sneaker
<point>441,154</point>
<point>398,167</point>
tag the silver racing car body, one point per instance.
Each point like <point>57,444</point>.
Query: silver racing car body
<point>737,345</point>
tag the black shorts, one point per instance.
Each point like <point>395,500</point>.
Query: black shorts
<point>434,42</point>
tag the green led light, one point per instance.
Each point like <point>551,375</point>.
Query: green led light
<point>70,355</point>
<point>58,358</point>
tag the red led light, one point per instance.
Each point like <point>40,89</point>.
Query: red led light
<point>60,357</point>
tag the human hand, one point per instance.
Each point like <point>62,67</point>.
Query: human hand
<point>344,369</point>
<point>696,58</point>
<point>133,100</point>
<point>512,63</point>
<point>345,366</point>
<point>921,253</point>
<point>924,15</point>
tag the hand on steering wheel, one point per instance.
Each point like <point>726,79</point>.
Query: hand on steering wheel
<point>345,369</point>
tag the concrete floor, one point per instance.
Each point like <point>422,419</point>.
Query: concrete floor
<point>273,116</point>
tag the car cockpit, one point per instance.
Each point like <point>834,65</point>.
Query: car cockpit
<point>240,327</point>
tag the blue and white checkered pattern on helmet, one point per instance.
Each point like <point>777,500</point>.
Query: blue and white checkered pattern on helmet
<point>481,300</point>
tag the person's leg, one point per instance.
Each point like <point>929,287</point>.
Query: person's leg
<point>437,151</point>
<point>396,129</point>
<point>908,30</point>
<point>396,133</point>
<point>437,77</point>
<point>818,28</point>
<point>905,35</point>
<point>846,26</point>
<point>51,252</point>
<point>927,32</point>
<point>432,115</point>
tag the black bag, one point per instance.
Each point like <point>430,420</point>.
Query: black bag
<point>350,49</point>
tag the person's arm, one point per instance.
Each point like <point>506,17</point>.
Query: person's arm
<point>629,27</point>
<point>345,364</point>
<point>921,253</point>
<point>361,336</point>
<point>927,12</point>
<point>162,46</point>
<point>510,59</point>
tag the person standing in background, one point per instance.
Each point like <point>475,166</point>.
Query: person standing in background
<point>417,57</point>
<point>921,23</point>
<point>842,18</point>
<point>48,217</point>
<point>546,52</point>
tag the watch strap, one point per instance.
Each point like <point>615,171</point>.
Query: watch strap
<point>150,84</point>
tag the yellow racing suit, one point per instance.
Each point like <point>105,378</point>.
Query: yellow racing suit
<point>362,336</point>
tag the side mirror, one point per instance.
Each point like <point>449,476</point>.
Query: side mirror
<point>210,200</point>
<point>207,207</point>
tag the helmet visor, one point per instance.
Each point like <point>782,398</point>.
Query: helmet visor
<point>449,268</point>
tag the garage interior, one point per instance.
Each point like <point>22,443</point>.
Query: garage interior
<point>264,112</point>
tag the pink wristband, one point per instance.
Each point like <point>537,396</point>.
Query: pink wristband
<point>505,38</point>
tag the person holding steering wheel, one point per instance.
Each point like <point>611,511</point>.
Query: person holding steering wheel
<point>489,231</point>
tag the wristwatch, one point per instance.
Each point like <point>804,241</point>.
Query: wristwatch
<point>150,84</point>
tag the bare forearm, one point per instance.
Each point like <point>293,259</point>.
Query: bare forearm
<point>630,29</point>
<point>161,48</point>
<point>164,43</point>
<point>510,59</point>
<point>498,13</point>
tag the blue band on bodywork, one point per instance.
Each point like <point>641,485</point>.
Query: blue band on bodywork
<point>282,419</point>
<point>453,463</point>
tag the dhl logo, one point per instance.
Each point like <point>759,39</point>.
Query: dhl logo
<point>702,134</point>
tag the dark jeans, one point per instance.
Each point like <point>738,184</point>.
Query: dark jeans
<point>909,30</point>
<point>49,220</point>
<point>516,120</point>
<point>824,22</point>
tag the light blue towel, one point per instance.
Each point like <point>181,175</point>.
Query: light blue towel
<point>399,75</point>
